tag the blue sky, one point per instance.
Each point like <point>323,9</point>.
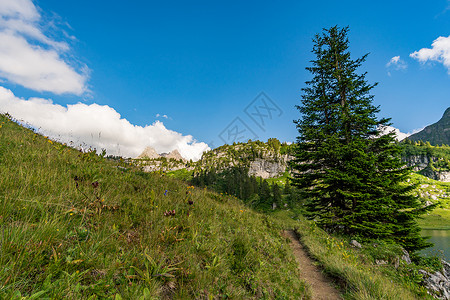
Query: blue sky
<point>198,65</point>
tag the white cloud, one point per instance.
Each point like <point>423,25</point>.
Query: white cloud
<point>399,136</point>
<point>23,8</point>
<point>397,63</point>
<point>31,58</point>
<point>163,116</point>
<point>98,126</point>
<point>439,52</point>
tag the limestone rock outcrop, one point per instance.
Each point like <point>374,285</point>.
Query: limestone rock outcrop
<point>422,164</point>
<point>149,153</point>
<point>438,283</point>
<point>173,155</point>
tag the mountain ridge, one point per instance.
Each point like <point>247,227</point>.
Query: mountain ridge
<point>437,133</point>
<point>150,153</point>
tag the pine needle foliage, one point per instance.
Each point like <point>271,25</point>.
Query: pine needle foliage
<point>350,172</point>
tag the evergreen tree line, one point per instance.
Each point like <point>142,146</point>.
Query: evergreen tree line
<point>256,192</point>
<point>420,148</point>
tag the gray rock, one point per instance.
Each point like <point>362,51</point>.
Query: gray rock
<point>438,283</point>
<point>266,169</point>
<point>380,262</point>
<point>355,244</point>
<point>422,163</point>
<point>149,152</point>
<point>405,257</point>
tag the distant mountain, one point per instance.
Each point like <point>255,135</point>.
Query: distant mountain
<point>149,152</point>
<point>437,133</point>
<point>174,155</point>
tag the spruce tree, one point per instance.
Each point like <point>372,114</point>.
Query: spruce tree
<point>351,175</point>
<point>265,197</point>
<point>276,195</point>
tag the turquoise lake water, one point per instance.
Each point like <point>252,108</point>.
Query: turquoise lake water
<point>441,240</point>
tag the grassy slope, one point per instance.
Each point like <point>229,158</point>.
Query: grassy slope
<point>355,269</point>
<point>101,242</point>
<point>439,218</point>
<point>58,241</point>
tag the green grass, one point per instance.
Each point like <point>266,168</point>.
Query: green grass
<point>354,269</point>
<point>75,225</point>
<point>439,218</point>
<point>281,180</point>
<point>114,240</point>
<point>433,190</point>
<point>181,174</point>
<point>437,192</point>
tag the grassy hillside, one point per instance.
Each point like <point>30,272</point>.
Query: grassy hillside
<point>437,192</point>
<point>76,225</point>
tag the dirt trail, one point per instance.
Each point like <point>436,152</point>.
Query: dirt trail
<point>321,287</point>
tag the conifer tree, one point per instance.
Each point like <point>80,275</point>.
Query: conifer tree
<point>276,195</point>
<point>351,175</point>
<point>265,197</point>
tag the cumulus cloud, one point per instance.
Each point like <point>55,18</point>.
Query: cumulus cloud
<point>99,126</point>
<point>399,136</point>
<point>29,57</point>
<point>439,52</point>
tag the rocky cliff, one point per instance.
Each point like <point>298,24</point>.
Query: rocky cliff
<point>430,161</point>
<point>264,160</point>
<point>438,283</point>
<point>425,166</point>
<point>267,169</point>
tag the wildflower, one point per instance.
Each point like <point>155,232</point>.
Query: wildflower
<point>95,184</point>
<point>190,202</point>
<point>169,213</point>
<point>165,193</point>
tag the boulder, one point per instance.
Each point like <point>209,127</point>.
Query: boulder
<point>380,262</point>
<point>355,244</point>
<point>405,257</point>
<point>438,283</point>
